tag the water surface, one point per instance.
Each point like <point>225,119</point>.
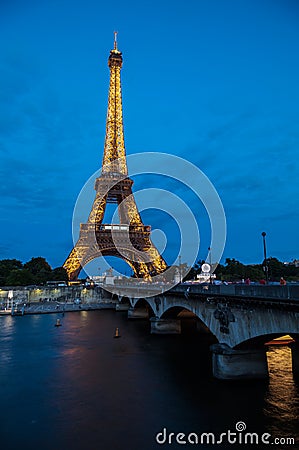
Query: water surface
<point>76,387</point>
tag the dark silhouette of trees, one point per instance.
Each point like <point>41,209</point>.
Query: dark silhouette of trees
<point>36,271</point>
<point>276,268</point>
<point>19,277</point>
<point>59,274</point>
<point>7,266</point>
<point>233,270</point>
<point>39,269</point>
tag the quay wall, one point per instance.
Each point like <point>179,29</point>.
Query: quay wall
<point>38,294</point>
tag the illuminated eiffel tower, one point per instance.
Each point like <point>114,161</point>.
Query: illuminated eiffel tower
<point>130,239</point>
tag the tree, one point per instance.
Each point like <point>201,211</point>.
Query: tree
<point>233,270</point>
<point>20,277</point>
<point>291,271</point>
<point>59,274</point>
<point>6,266</point>
<point>276,268</point>
<point>37,265</point>
<point>219,271</point>
<point>35,271</point>
<point>40,269</point>
<point>254,272</point>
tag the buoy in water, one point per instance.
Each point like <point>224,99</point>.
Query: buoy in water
<point>57,324</point>
<point>116,334</point>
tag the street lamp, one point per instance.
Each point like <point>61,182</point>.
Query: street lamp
<point>265,266</point>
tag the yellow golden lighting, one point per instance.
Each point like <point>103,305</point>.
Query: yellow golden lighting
<point>114,166</point>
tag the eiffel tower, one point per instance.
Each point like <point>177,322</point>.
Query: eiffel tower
<point>130,239</point>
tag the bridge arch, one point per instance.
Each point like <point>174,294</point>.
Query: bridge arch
<point>185,314</point>
<point>261,340</point>
<point>174,312</point>
<point>125,300</point>
<point>141,304</point>
<point>249,328</point>
<point>114,297</point>
<point>140,308</point>
<point>239,331</point>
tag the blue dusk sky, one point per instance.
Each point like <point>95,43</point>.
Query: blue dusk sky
<point>214,82</point>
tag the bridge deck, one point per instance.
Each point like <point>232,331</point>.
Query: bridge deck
<point>288,294</point>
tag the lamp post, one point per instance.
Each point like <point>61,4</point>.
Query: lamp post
<point>265,267</point>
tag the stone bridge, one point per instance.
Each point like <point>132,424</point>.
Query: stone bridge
<point>241,318</point>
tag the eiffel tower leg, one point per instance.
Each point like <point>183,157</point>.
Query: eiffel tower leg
<point>74,261</point>
<point>158,265</point>
<point>140,270</point>
<point>146,263</point>
<point>98,209</point>
<point>85,251</point>
<point>151,265</point>
<point>72,265</point>
<point>128,210</point>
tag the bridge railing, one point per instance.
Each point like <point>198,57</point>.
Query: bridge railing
<point>288,292</point>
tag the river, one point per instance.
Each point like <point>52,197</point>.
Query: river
<point>75,387</point>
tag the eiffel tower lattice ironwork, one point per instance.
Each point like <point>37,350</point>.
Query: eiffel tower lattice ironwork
<point>130,239</point>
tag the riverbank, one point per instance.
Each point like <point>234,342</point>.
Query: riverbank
<point>55,307</point>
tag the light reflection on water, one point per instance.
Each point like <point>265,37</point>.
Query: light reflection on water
<point>84,390</point>
<point>281,399</point>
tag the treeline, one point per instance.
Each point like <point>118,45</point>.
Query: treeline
<point>233,270</point>
<point>36,271</point>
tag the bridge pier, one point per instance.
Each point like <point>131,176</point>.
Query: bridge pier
<point>122,306</point>
<point>138,313</point>
<point>165,326</point>
<point>230,364</point>
<point>295,359</point>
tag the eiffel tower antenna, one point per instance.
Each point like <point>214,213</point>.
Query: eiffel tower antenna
<point>115,40</point>
<point>130,239</point>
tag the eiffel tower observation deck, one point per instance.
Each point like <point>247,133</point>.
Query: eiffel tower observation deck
<point>130,239</point>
